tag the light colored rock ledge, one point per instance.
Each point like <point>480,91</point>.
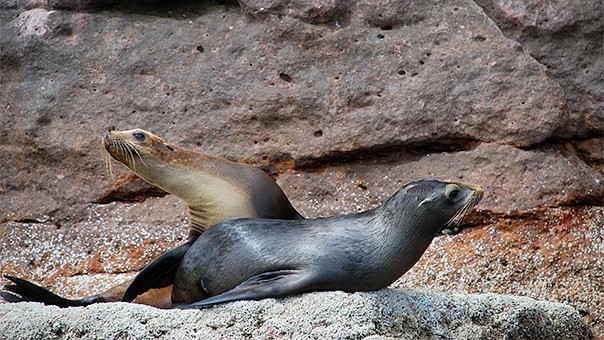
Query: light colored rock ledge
<point>406,314</point>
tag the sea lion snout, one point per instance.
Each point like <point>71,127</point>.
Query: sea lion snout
<point>478,190</point>
<point>108,140</point>
<point>107,134</point>
<point>476,194</point>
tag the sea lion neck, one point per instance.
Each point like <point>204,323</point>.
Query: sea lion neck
<point>405,216</point>
<point>214,188</point>
<point>403,227</point>
<point>210,196</point>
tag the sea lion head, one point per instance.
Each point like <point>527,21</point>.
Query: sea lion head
<point>139,150</point>
<point>435,205</point>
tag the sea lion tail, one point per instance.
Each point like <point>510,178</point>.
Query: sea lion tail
<point>25,291</point>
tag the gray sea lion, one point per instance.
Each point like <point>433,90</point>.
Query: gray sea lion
<point>215,190</point>
<point>251,259</point>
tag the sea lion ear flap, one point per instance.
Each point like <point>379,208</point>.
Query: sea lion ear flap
<point>426,201</point>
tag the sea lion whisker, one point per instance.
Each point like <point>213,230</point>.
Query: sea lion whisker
<point>453,219</point>
<point>132,151</point>
<point>140,157</point>
<point>452,222</point>
<point>107,161</point>
<point>469,206</point>
<point>458,217</point>
<point>132,161</point>
<point>122,151</point>
<point>108,165</point>
<point>129,155</point>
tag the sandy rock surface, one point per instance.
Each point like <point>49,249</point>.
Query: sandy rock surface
<point>386,314</point>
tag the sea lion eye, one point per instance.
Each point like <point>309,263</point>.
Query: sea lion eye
<point>139,136</point>
<point>452,192</point>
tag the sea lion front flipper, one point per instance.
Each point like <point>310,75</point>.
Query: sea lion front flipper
<point>27,291</point>
<point>158,274</point>
<point>275,284</point>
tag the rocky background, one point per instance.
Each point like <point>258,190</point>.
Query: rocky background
<point>343,102</point>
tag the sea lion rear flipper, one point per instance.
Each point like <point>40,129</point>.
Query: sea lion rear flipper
<point>266,285</point>
<point>9,297</point>
<point>158,274</point>
<point>27,291</point>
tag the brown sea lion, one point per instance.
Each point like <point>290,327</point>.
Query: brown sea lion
<point>215,190</point>
<point>251,259</point>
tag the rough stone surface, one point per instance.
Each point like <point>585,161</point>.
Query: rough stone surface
<point>568,38</point>
<point>387,314</point>
<point>271,89</point>
<point>555,255</point>
<point>515,180</point>
<point>342,101</point>
<point>109,240</point>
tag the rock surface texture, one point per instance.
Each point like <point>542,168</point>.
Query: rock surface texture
<point>386,314</point>
<point>342,102</point>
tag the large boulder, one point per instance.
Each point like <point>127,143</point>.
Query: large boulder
<point>566,37</point>
<point>386,314</point>
<point>341,101</point>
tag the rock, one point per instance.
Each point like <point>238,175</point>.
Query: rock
<point>384,314</point>
<point>554,255</point>
<point>67,4</point>
<point>515,180</point>
<point>566,36</point>
<point>253,89</point>
<point>116,238</point>
<point>342,102</point>
<point>590,150</point>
